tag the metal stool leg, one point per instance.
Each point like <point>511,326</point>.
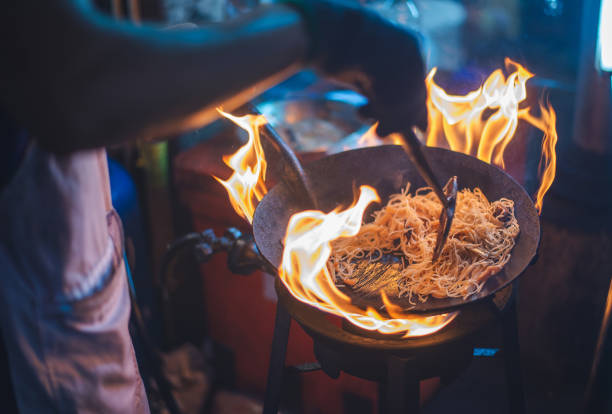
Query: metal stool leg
<point>401,393</point>
<point>512,357</point>
<point>282,324</point>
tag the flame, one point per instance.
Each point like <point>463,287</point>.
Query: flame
<point>304,271</point>
<point>370,138</point>
<point>246,186</point>
<point>483,122</point>
<point>548,160</point>
<point>307,243</point>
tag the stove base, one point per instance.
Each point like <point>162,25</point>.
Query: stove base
<point>397,364</point>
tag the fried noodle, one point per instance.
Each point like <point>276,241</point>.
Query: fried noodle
<point>481,238</point>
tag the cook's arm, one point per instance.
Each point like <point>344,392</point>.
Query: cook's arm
<point>76,79</point>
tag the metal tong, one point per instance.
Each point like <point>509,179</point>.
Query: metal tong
<point>447,196</point>
<point>295,176</point>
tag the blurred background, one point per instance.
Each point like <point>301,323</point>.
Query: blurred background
<point>215,327</point>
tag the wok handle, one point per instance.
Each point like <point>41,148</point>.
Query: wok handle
<point>293,172</point>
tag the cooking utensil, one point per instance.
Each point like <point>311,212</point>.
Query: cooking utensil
<point>447,196</point>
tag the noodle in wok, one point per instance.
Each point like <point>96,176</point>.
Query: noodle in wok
<point>478,246</point>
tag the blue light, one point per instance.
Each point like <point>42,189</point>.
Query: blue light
<point>485,352</point>
<point>605,36</point>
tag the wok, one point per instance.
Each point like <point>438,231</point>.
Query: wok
<point>387,169</point>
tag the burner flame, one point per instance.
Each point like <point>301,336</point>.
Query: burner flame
<point>304,271</point>
<point>484,122</point>
<point>246,186</point>
<point>481,123</point>
<point>307,243</point>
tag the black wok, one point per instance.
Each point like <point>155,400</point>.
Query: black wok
<point>387,169</point>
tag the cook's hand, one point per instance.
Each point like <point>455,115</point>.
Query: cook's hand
<point>382,60</point>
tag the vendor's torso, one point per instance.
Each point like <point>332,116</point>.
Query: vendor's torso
<point>53,215</point>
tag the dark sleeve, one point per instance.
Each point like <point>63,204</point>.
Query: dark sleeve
<point>76,79</point>
<point>14,141</point>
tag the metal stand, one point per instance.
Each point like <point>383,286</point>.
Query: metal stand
<point>282,325</point>
<point>512,357</point>
<point>401,393</point>
<point>399,378</point>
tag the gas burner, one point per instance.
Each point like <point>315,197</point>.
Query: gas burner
<point>398,364</point>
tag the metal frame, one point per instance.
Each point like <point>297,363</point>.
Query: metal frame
<point>399,391</point>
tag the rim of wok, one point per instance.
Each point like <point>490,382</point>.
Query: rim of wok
<point>387,169</point>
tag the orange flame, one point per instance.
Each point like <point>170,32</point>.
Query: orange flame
<point>370,138</point>
<point>246,185</point>
<point>548,160</point>
<point>307,243</point>
<point>483,122</point>
<point>304,271</point>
